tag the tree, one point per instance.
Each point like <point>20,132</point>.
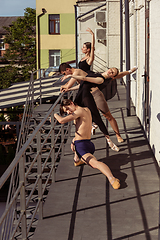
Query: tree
<point>21,54</point>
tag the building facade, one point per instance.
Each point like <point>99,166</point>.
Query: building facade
<point>103,17</point>
<point>55,32</point>
<point>144,39</point>
<point>4,22</point>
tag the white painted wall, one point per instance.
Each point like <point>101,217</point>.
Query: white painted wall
<point>154,137</point>
<point>137,51</point>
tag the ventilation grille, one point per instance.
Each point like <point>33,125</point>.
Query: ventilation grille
<point>101,34</point>
<point>100,17</point>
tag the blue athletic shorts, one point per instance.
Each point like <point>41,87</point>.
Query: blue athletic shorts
<point>84,146</point>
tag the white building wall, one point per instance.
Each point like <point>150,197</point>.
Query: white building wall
<point>88,20</point>
<point>140,62</point>
<point>137,57</point>
<point>154,137</point>
<point>113,33</point>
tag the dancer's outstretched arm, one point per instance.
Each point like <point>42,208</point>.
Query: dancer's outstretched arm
<point>97,80</point>
<point>69,84</point>
<point>91,58</point>
<point>122,74</point>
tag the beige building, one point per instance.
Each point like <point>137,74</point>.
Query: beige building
<point>56,40</point>
<point>55,32</point>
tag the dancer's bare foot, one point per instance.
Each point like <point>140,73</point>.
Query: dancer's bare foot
<point>114,182</point>
<point>77,161</point>
<point>80,162</point>
<point>120,139</point>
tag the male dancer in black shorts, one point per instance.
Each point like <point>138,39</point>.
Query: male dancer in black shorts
<point>82,143</point>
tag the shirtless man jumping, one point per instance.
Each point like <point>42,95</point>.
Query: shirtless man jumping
<point>82,140</point>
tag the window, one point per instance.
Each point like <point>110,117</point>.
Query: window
<point>54,24</point>
<point>54,58</point>
<point>2,46</point>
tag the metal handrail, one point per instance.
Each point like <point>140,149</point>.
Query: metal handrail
<point>14,220</point>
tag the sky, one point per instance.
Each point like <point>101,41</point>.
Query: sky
<point>15,7</point>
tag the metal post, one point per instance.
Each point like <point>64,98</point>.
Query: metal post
<point>62,139</point>
<point>53,146</point>
<point>32,92</point>
<point>121,40</point>
<point>22,197</point>
<point>39,171</point>
<point>76,40</point>
<point>40,90</point>
<point>127,34</point>
<point>38,33</point>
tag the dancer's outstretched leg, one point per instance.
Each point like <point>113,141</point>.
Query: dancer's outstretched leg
<point>92,161</point>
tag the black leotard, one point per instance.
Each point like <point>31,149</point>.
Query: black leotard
<point>84,98</point>
<point>84,65</point>
<point>108,87</point>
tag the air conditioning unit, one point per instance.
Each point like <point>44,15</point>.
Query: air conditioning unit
<point>101,33</point>
<point>100,16</point>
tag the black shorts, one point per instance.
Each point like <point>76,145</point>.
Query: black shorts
<point>84,146</point>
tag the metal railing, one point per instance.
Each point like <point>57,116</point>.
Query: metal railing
<point>33,169</point>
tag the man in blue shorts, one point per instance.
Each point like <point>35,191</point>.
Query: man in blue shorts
<point>82,141</point>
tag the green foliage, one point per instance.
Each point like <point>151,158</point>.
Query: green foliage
<point>21,54</point>
<point>10,155</point>
<point>7,156</point>
<point>2,118</point>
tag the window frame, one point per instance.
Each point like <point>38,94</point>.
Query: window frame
<point>53,21</point>
<point>54,56</point>
<point>2,44</point>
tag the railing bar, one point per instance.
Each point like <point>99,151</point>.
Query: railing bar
<point>4,228</point>
<point>34,213</point>
<point>17,224</point>
<point>33,162</point>
<point>47,158</point>
<point>22,150</point>
<point>31,193</point>
<point>14,197</point>
<point>45,185</point>
<point>22,140</point>
<point>10,186</point>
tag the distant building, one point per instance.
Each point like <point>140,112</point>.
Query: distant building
<point>56,40</point>
<point>4,22</point>
<point>56,33</point>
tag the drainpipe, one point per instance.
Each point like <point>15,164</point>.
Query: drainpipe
<point>127,34</point>
<point>76,34</point>
<point>121,40</point>
<point>38,29</point>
